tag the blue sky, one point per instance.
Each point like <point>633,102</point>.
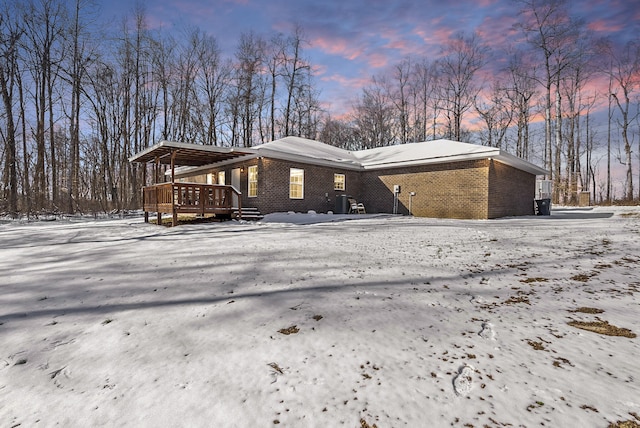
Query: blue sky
<point>352,40</point>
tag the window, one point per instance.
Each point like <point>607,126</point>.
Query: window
<point>338,182</point>
<point>221,177</point>
<point>211,178</point>
<point>253,181</point>
<point>296,183</point>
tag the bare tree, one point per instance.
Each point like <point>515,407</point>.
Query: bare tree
<point>339,133</point>
<point>213,77</point>
<point>520,93</point>
<point>425,104</point>
<point>552,33</point>
<point>162,65</point>
<point>274,57</point>
<point>102,93</point>
<point>625,72</point>
<point>572,87</point>
<point>184,100</point>
<point>294,69</point>
<point>10,34</point>
<point>44,30</point>
<point>400,98</point>
<point>80,59</point>
<point>497,115</point>
<point>307,110</point>
<point>250,60</point>
<point>373,116</point>
<point>589,178</point>
<point>461,58</point>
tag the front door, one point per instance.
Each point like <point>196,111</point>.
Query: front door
<point>235,182</point>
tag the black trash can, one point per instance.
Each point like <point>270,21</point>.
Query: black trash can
<point>543,206</point>
<point>342,204</point>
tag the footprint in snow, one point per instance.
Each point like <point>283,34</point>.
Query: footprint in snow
<point>463,382</point>
<point>487,331</point>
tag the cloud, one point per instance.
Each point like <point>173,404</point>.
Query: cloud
<point>337,46</point>
<point>436,37</point>
<point>603,26</point>
<point>352,40</point>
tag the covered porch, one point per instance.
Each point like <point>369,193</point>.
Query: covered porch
<point>190,198</point>
<point>176,198</point>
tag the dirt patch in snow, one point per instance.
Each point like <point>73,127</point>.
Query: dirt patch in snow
<point>536,279</point>
<point>364,424</point>
<point>627,424</point>
<point>586,310</point>
<point>289,330</point>
<point>602,327</point>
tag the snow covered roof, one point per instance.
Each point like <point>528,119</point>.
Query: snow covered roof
<point>186,154</point>
<point>304,150</point>
<point>427,152</point>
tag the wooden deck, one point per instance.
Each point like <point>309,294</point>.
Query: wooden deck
<point>190,198</point>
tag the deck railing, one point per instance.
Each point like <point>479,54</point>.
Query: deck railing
<point>190,198</point>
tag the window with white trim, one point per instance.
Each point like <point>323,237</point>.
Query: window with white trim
<point>221,176</point>
<point>296,183</point>
<point>252,172</point>
<point>339,182</point>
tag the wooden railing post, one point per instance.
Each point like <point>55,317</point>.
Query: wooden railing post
<point>174,218</point>
<point>144,205</point>
<point>158,191</point>
<point>203,199</point>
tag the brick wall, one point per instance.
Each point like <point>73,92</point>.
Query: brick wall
<point>477,189</point>
<point>511,191</point>
<point>273,185</point>
<point>450,190</point>
<point>319,193</point>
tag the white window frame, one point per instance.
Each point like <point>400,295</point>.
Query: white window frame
<point>221,177</point>
<point>339,182</point>
<point>252,181</point>
<point>296,183</point>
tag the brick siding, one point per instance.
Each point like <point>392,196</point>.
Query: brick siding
<point>476,189</point>
<point>273,185</point>
<point>511,191</point>
<point>449,190</point>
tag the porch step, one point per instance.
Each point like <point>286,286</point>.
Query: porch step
<point>248,213</point>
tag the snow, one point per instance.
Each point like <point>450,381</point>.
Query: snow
<point>309,320</point>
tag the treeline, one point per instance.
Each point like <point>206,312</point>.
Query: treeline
<point>78,100</point>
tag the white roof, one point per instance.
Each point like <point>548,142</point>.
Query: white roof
<point>303,150</point>
<point>427,152</point>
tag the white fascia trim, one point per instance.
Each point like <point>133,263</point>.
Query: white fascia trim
<point>190,170</point>
<point>521,164</point>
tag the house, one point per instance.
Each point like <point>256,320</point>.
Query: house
<point>439,178</point>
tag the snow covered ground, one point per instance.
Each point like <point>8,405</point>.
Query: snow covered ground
<point>301,321</point>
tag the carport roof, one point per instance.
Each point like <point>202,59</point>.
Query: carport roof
<point>186,154</point>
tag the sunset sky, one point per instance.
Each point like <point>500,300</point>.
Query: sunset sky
<point>352,40</point>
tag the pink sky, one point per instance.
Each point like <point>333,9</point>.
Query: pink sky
<point>350,41</point>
